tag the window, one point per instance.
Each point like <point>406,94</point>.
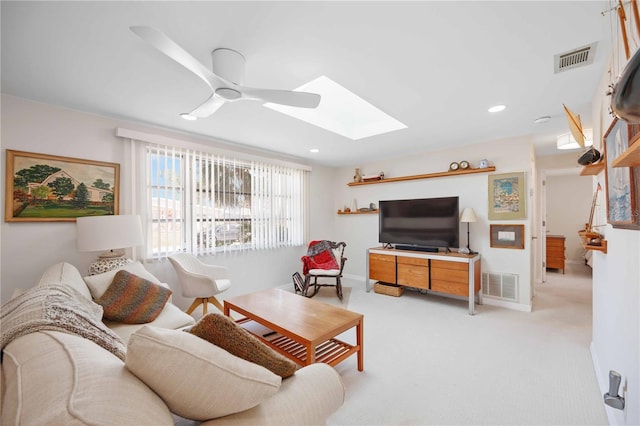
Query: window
<point>205,203</point>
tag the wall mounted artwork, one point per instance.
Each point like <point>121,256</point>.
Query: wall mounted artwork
<point>48,188</point>
<point>507,236</point>
<point>622,209</point>
<point>507,196</point>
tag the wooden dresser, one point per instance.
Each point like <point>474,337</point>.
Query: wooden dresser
<point>555,252</point>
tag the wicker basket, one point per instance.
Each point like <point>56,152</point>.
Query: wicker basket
<point>388,289</point>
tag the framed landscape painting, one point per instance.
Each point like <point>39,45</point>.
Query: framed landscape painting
<point>507,196</point>
<point>48,188</point>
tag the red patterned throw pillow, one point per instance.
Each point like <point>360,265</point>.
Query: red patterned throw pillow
<point>131,299</point>
<point>225,333</point>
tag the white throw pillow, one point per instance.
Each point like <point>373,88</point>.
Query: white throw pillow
<point>196,379</point>
<point>98,284</point>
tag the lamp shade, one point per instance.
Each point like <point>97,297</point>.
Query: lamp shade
<point>99,233</point>
<point>468,215</point>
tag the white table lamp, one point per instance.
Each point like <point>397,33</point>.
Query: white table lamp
<point>468,216</point>
<point>111,235</point>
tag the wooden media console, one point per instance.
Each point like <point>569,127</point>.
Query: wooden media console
<point>446,273</point>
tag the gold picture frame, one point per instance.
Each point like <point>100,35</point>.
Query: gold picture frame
<point>50,188</point>
<point>507,236</point>
<point>507,196</point>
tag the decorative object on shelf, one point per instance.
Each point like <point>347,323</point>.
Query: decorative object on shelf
<point>468,216</point>
<point>621,187</point>
<point>347,210</point>
<point>371,178</point>
<point>372,206</point>
<point>381,175</point>
<point>464,165</point>
<point>484,163</point>
<point>454,166</point>
<point>111,235</point>
<point>575,126</point>
<point>590,156</point>
<point>507,236</point>
<point>69,187</point>
<point>358,176</point>
<point>507,196</point>
<point>625,96</point>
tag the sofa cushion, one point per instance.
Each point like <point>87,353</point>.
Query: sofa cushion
<point>56,378</point>
<point>196,379</point>
<point>67,274</point>
<point>98,284</point>
<point>170,317</point>
<point>132,299</point>
<point>222,331</point>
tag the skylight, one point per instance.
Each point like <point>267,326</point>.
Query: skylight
<point>341,111</point>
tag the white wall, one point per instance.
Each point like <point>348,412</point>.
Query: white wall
<point>361,231</point>
<point>616,294</point>
<point>29,247</point>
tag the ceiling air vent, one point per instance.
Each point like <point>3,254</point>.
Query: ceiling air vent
<point>576,58</point>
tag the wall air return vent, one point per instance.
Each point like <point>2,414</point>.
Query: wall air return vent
<point>500,286</point>
<point>575,58</point>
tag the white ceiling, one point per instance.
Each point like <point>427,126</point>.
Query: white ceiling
<point>435,66</point>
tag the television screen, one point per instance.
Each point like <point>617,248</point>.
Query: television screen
<point>425,222</point>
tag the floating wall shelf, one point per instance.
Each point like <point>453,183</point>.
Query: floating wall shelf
<point>629,158</point>
<point>425,176</point>
<point>593,169</point>
<point>361,212</point>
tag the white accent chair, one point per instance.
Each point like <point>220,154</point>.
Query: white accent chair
<point>200,280</point>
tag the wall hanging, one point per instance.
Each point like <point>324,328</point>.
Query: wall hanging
<point>48,188</point>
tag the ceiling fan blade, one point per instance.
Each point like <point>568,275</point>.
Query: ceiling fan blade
<point>208,107</point>
<point>170,48</point>
<point>283,97</point>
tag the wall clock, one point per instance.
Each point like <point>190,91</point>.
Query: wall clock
<point>454,166</point>
<point>464,164</point>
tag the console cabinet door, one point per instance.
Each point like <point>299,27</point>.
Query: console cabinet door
<point>413,272</point>
<point>382,267</point>
<point>450,277</point>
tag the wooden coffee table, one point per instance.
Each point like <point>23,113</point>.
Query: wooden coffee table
<point>306,328</point>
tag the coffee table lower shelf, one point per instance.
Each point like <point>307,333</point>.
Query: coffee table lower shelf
<point>331,352</point>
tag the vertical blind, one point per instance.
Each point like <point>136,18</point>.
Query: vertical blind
<point>205,203</point>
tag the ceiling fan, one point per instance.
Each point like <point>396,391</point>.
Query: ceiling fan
<point>226,79</point>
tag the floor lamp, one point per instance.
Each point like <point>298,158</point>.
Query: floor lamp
<point>468,216</point>
<point>111,234</point>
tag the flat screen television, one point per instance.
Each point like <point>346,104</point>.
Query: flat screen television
<point>420,223</point>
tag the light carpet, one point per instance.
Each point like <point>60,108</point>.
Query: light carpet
<point>328,295</point>
<point>427,362</point>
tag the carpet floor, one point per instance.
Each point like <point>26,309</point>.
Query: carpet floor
<point>428,362</point>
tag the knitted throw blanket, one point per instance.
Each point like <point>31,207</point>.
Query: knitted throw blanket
<point>319,256</point>
<point>57,308</point>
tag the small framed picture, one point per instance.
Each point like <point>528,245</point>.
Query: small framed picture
<point>507,236</point>
<point>507,196</point>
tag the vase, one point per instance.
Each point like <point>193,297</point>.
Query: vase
<point>358,176</point>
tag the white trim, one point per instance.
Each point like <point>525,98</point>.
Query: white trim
<point>217,149</point>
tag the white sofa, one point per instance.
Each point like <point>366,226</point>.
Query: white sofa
<point>54,377</point>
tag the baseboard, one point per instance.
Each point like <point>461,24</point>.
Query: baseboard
<point>487,300</point>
